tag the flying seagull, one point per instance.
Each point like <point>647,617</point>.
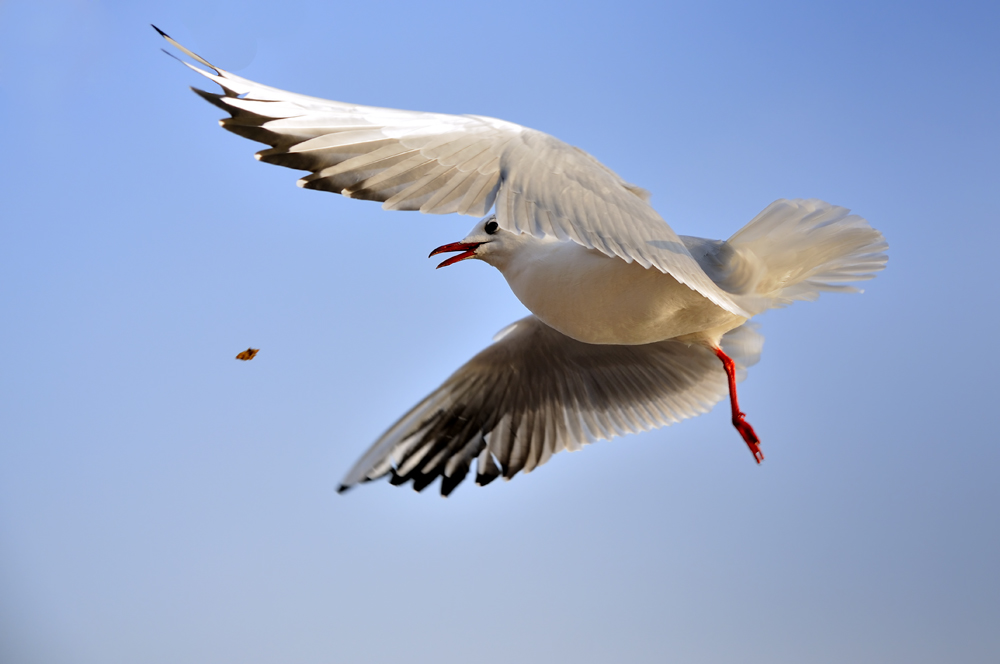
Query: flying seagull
<point>633,327</point>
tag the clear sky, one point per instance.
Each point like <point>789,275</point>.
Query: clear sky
<point>162,503</point>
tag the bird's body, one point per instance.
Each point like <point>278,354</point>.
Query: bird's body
<point>598,299</point>
<point>630,320</point>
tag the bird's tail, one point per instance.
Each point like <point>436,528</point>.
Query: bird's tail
<point>803,247</point>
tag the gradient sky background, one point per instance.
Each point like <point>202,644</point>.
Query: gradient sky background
<point>161,502</point>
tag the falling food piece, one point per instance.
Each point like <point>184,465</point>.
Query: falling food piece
<point>248,354</point>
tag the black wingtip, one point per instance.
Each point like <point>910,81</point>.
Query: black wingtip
<point>342,488</point>
<point>162,33</point>
<point>171,55</point>
<point>483,480</point>
<point>421,482</point>
<point>448,484</point>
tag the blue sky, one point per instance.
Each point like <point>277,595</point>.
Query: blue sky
<point>161,502</point>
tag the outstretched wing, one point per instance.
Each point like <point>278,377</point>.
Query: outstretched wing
<point>535,392</point>
<point>440,163</point>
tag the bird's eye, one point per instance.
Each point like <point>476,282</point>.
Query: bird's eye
<point>491,227</point>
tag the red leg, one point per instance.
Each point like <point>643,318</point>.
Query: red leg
<point>739,421</point>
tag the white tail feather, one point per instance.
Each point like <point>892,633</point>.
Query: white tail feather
<point>808,246</point>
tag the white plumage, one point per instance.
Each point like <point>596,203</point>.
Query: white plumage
<point>630,319</point>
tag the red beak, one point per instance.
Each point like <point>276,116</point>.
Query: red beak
<point>468,250</point>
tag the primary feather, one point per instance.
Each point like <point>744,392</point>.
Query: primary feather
<point>535,392</point>
<point>439,163</point>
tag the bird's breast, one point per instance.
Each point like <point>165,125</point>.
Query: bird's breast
<point>598,299</point>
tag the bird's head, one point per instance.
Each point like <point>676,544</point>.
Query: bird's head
<point>487,242</point>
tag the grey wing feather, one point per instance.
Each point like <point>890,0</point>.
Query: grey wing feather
<point>535,392</point>
<point>552,188</point>
<point>439,163</point>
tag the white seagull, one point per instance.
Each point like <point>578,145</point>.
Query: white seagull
<point>634,327</point>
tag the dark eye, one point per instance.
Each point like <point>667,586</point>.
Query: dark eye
<point>492,226</point>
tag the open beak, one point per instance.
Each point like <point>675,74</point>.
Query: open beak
<point>468,250</point>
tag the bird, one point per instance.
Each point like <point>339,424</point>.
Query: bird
<point>632,326</point>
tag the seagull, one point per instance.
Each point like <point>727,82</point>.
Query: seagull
<point>633,327</point>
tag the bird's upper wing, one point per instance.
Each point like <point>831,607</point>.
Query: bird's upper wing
<point>440,163</point>
<point>535,392</point>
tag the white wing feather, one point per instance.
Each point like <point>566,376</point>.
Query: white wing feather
<point>439,164</point>
<point>535,392</point>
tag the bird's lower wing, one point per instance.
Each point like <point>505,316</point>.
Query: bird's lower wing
<point>439,163</point>
<point>535,392</point>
